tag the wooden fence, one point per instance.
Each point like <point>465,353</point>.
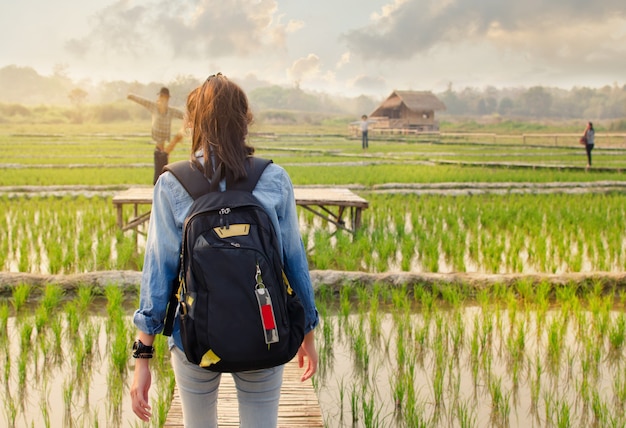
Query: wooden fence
<point>602,139</point>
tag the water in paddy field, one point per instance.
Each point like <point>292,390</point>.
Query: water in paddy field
<point>464,368</point>
<point>50,385</point>
<point>501,366</point>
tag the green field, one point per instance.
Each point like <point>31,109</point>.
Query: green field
<point>56,187</point>
<point>528,353</point>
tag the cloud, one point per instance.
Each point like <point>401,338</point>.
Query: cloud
<point>294,25</point>
<point>118,28</point>
<point>304,68</point>
<point>368,84</point>
<point>185,29</point>
<point>406,28</point>
<point>345,60</point>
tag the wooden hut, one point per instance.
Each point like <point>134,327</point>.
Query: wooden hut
<point>407,111</point>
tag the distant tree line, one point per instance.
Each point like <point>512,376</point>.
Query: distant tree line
<point>538,102</point>
<point>25,86</point>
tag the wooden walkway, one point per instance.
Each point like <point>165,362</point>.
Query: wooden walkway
<point>299,406</point>
<point>331,204</point>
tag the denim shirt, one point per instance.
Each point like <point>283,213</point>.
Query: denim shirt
<point>170,206</point>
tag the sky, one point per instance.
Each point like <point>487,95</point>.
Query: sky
<point>344,47</point>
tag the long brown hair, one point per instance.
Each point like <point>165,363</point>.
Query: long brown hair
<point>219,116</point>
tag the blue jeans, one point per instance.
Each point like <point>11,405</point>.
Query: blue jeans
<point>258,394</point>
<point>364,139</point>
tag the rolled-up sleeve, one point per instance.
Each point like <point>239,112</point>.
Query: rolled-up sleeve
<point>295,261</point>
<point>161,262</point>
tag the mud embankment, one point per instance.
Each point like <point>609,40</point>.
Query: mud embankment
<point>129,280</point>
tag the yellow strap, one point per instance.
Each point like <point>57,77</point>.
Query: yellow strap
<point>209,358</point>
<point>286,281</point>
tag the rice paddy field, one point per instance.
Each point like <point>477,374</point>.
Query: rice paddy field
<point>520,354</point>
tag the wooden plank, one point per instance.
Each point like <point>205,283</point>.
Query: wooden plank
<point>322,198</point>
<point>303,196</point>
<point>298,407</point>
<point>328,196</point>
<point>134,195</point>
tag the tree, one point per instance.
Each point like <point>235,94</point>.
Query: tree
<point>506,106</point>
<point>77,97</point>
<point>537,102</point>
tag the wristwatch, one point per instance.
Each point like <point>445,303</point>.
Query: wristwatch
<point>142,351</point>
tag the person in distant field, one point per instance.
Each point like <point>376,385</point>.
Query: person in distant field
<point>162,115</point>
<point>588,138</point>
<point>364,125</point>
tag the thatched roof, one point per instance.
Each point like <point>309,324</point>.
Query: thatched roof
<point>414,100</point>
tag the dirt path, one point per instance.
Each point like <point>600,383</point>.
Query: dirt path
<point>456,188</point>
<point>129,280</point>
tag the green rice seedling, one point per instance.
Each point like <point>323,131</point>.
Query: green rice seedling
<point>55,258</point>
<point>500,402</point>
<point>126,251</point>
<point>342,395</point>
<point>354,404</point>
<point>73,319</point>
<point>475,352</point>
<point>516,344</point>
<point>466,414</point>
<point>567,295</point>
<point>85,296</point>
<point>103,252</point>
<point>24,260</point>
<point>50,301</point>
<point>399,390</point>
<point>52,297</point>
<point>601,315</point>
<point>6,369</point>
<point>22,365</point>
<point>371,416</point>
<point>19,296</point>
<point>4,321</point>
<point>115,299</point>
<point>26,333</point>
<point>555,342</point>
<point>344,302</point>
<point>56,327</point>
<point>617,333</point>
<point>619,391</point>
<point>457,334</point>
<point>361,352</point>
<point>583,386</point>
<point>600,410</point>
<point>11,411</point>
<point>563,415</point>
<point>452,294</point>
<point>118,353</point>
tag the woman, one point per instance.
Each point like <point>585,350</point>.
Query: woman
<point>219,117</point>
<point>588,138</point>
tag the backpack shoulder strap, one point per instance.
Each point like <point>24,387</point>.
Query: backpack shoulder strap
<point>254,167</point>
<point>191,178</point>
<point>196,184</point>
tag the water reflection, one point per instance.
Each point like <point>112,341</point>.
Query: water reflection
<point>67,373</point>
<point>471,366</point>
<point>510,364</point>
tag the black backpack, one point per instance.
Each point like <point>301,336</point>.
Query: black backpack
<point>237,310</point>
